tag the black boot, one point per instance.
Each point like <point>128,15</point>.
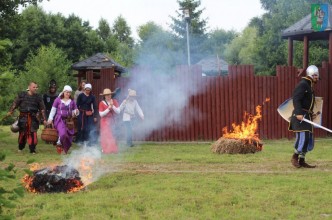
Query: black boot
<point>295,160</point>
<point>304,164</point>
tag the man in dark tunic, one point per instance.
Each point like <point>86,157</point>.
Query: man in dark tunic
<point>28,103</point>
<point>304,101</point>
<point>49,97</point>
<point>86,103</point>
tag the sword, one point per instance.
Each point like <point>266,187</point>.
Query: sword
<point>316,125</point>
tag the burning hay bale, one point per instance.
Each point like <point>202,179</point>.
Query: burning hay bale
<point>243,139</point>
<point>235,146</point>
<point>53,180</point>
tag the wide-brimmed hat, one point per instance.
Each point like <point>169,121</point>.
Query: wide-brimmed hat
<point>131,93</point>
<point>88,86</point>
<point>106,92</point>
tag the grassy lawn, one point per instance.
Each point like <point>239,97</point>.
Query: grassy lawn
<point>185,181</point>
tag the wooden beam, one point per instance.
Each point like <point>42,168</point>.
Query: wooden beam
<point>305,52</point>
<point>290,51</point>
<point>330,48</point>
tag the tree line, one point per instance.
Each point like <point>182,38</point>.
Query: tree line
<point>35,45</point>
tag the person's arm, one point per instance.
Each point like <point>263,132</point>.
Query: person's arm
<point>115,106</point>
<point>139,110</point>
<point>42,109</point>
<point>298,95</point>
<point>14,105</point>
<point>53,111</point>
<point>102,112</point>
<point>74,112</point>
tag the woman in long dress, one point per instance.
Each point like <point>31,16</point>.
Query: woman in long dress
<point>64,107</point>
<point>107,110</point>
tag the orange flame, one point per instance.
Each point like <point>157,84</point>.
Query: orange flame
<point>247,129</point>
<point>85,169</point>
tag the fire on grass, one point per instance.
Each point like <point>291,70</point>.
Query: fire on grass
<point>243,138</point>
<point>59,178</point>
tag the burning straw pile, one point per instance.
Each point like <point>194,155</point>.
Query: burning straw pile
<point>54,180</point>
<point>243,139</point>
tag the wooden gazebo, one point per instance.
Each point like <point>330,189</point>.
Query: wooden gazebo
<point>303,30</point>
<point>99,70</point>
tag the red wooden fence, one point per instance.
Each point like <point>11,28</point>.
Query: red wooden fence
<point>224,100</point>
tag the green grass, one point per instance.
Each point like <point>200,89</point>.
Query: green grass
<point>186,181</point>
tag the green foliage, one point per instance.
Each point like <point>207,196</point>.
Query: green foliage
<point>268,49</point>
<point>241,49</point>
<point>218,40</point>
<point>157,49</point>
<point>122,31</point>
<point>8,196</point>
<point>197,29</point>
<point>49,63</point>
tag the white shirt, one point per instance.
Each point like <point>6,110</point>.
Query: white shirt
<point>129,108</point>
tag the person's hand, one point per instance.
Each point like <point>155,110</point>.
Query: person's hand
<point>299,117</point>
<point>49,122</point>
<point>94,120</point>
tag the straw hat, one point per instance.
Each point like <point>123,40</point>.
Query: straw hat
<point>131,93</point>
<point>106,92</point>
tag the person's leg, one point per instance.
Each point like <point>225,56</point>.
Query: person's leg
<point>21,140</point>
<point>298,146</point>
<point>308,145</point>
<point>129,134</point>
<point>32,141</point>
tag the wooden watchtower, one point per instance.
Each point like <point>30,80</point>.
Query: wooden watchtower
<point>315,26</point>
<point>99,70</point>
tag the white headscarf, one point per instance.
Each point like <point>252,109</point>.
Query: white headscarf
<point>88,86</point>
<point>66,88</point>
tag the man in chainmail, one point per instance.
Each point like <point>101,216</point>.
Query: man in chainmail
<point>28,103</point>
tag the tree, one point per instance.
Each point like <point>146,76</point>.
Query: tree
<point>157,49</point>
<point>217,41</point>
<point>104,30</point>
<point>241,49</point>
<point>271,49</point>
<point>8,196</point>
<point>49,63</point>
<point>6,75</point>
<point>122,31</point>
<point>197,28</point>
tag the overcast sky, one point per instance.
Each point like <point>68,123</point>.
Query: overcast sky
<point>223,14</point>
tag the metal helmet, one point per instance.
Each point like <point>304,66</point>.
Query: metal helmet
<point>14,127</point>
<point>312,70</point>
<point>52,83</point>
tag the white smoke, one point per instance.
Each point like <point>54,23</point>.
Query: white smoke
<point>163,90</point>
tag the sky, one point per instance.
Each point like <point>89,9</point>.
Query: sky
<point>222,14</point>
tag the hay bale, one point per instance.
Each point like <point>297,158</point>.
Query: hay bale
<point>235,146</point>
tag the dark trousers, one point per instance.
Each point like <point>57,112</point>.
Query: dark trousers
<point>32,140</point>
<point>129,130</point>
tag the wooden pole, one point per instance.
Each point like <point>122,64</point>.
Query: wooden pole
<point>290,51</point>
<point>330,48</point>
<point>305,52</point>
